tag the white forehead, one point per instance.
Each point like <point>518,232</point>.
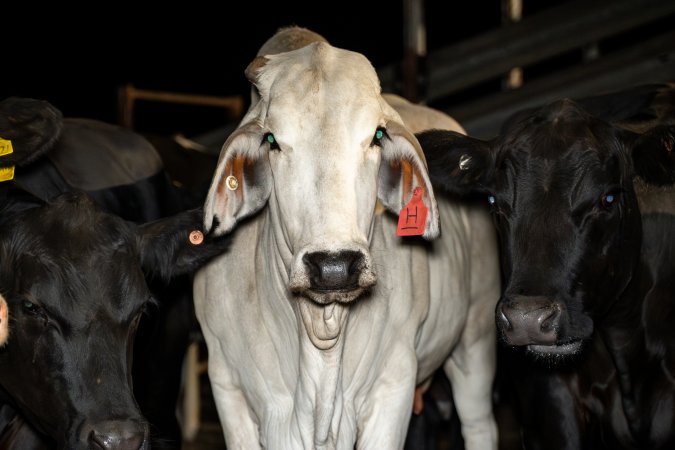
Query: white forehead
<point>318,83</point>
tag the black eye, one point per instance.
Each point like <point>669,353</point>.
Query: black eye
<point>607,200</point>
<point>491,199</point>
<point>30,307</point>
<point>377,137</point>
<point>271,140</point>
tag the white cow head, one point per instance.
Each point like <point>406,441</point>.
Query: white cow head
<point>319,147</point>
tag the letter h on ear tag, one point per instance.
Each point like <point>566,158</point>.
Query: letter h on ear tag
<point>413,217</point>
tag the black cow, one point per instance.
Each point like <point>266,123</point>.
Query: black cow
<point>585,212</point>
<point>77,279</point>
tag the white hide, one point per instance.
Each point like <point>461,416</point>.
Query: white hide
<point>295,369</point>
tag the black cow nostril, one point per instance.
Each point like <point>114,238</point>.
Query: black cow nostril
<point>356,263</point>
<point>502,321</point>
<point>550,321</point>
<point>310,260</point>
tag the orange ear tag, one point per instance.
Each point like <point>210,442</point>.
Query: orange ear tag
<point>413,216</point>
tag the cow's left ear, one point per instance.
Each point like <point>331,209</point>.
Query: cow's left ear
<point>654,155</point>
<point>177,245</point>
<point>403,168</point>
<point>242,182</point>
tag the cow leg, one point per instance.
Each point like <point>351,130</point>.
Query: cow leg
<point>472,365</point>
<point>386,414</point>
<point>471,370</point>
<point>236,418</point>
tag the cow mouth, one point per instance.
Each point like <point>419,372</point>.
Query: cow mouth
<point>330,296</point>
<point>323,322</point>
<point>567,349</point>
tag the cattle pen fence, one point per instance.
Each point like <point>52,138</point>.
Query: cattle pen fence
<point>576,49</point>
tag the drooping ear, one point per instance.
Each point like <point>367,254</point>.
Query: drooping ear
<point>242,181</point>
<point>458,164</point>
<point>32,126</point>
<point>654,155</point>
<point>402,169</point>
<point>177,245</point>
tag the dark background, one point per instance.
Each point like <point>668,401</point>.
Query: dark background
<point>77,57</point>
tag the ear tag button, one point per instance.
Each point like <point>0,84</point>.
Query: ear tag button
<point>196,237</point>
<point>232,182</point>
<point>413,217</point>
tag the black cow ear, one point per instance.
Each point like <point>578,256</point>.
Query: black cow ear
<point>457,164</point>
<point>32,126</point>
<point>654,156</point>
<point>177,245</point>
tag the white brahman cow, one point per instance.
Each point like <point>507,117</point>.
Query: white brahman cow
<point>320,321</point>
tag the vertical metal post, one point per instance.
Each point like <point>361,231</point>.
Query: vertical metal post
<point>512,11</point>
<point>414,51</point>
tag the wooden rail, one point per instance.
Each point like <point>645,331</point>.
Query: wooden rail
<point>128,95</point>
<point>454,70</point>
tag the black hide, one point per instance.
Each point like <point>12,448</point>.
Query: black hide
<point>107,255</point>
<point>585,212</point>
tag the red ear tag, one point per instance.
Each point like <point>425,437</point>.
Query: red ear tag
<point>413,216</point>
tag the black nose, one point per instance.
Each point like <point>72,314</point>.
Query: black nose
<point>333,271</point>
<point>118,435</point>
<point>529,320</point>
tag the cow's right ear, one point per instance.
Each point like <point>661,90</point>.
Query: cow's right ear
<point>654,155</point>
<point>242,181</point>
<point>457,164</point>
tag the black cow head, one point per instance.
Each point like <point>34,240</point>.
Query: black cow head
<point>74,280</point>
<point>560,186</point>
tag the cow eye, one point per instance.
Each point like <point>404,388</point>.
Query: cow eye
<point>271,140</point>
<point>608,199</point>
<point>30,307</point>
<point>491,199</point>
<point>380,133</point>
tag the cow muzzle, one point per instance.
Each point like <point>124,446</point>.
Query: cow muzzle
<point>326,277</point>
<point>117,435</point>
<point>333,271</point>
<point>535,322</point>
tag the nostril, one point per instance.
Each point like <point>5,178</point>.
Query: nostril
<point>502,320</point>
<point>311,261</point>
<point>550,320</point>
<point>355,262</point>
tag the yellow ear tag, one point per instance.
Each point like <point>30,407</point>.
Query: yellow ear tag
<point>6,173</point>
<point>5,147</point>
